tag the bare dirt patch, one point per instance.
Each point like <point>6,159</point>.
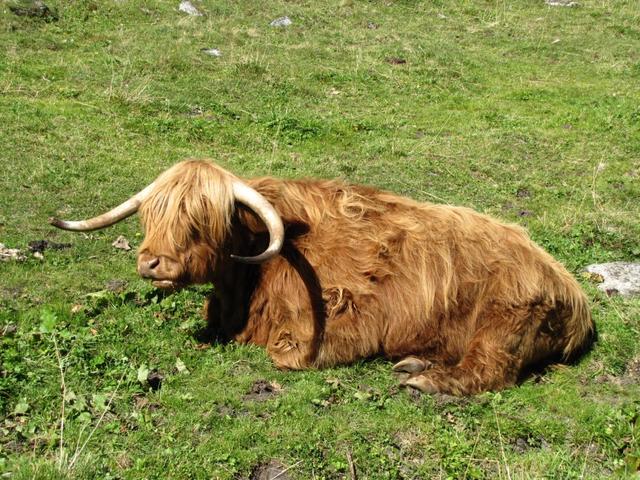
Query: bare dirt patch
<point>42,245</point>
<point>632,372</point>
<point>116,286</point>
<point>270,471</point>
<point>262,390</point>
<point>631,375</point>
<point>11,293</point>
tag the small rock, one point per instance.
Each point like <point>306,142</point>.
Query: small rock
<point>38,255</point>
<point>32,8</point>
<point>618,277</point>
<point>281,22</point>
<point>187,7</point>
<point>121,243</point>
<point>7,254</point>
<point>561,3</point>
<point>212,52</point>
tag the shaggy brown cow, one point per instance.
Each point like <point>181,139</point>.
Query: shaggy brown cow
<point>342,272</point>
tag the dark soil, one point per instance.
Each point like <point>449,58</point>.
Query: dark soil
<point>42,245</point>
<point>269,471</point>
<point>262,390</point>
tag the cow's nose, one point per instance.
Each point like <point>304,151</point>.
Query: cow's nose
<point>146,267</point>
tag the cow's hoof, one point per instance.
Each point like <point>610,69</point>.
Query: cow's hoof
<point>423,384</point>
<point>411,365</point>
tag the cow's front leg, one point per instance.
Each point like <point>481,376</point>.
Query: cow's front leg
<point>340,334</point>
<point>211,312</point>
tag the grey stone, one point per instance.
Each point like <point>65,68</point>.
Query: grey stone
<point>212,52</point>
<point>618,277</point>
<point>187,7</point>
<point>32,8</point>
<point>7,254</point>
<point>121,243</point>
<point>561,3</point>
<point>281,22</point>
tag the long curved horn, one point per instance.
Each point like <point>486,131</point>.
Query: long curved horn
<point>261,206</point>
<point>120,212</point>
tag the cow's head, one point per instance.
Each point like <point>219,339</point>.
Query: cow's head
<point>186,214</point>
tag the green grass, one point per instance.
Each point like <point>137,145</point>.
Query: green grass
<point>524,111</point>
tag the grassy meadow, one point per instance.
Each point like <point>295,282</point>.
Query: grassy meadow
<point>522,110</point>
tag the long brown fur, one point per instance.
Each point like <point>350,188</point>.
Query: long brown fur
<point>472,302</point>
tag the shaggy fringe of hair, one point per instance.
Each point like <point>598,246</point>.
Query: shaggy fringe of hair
<point>192,199</point>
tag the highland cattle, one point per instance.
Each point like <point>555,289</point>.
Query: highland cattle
<point>323,272</point>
